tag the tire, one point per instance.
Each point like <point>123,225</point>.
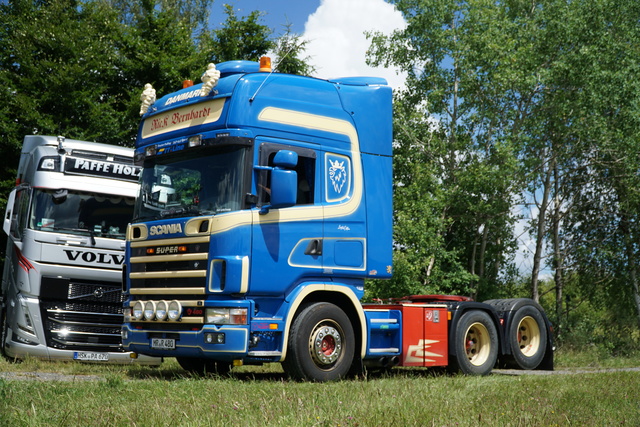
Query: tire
<point>527,337</point>
<point>321,344</point>
<point>476,343</point>
<point>203,367</point>
<point>4,331</point>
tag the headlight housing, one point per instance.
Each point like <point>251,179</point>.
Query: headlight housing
<point>161,310</point>
<point>174,311</point>
<point>149,310</point>
<point>138,310</point>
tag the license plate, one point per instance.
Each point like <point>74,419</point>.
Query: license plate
<point>90,356</point>
<point>163,343</point>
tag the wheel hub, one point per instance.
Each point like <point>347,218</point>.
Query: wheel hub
<point>477,345</point>
<point>326,345</point>
<point>528,336</point>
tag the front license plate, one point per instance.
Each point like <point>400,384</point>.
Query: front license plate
<point>163,343</point>
<point>90,356</point>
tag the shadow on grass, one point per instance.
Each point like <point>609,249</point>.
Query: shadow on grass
<point>268,373</point>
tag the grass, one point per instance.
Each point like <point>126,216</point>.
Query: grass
<point>262,396</point>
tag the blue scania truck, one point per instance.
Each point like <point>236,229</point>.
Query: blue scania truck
<point>265,202</point>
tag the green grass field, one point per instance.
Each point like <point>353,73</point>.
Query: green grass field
<point>262,396</point>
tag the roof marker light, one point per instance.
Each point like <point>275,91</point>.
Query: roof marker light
<point>265,64</point>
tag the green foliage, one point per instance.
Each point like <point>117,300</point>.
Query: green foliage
<point>457,172</point>
<point>535,103</point>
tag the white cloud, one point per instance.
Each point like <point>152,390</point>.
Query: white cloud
<point>337,43</point>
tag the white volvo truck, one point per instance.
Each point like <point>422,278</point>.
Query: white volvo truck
<point>66,219</point>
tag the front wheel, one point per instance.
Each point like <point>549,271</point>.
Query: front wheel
<point>4,330</point>
<point>476,343</point>
<point>321,344</point>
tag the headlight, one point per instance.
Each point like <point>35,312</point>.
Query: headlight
<point>138,310</point>
<point>149,310</point>
<point>226,316</point>
<point>161,310</point>
<point>217,315</point>
<point>174,311</point>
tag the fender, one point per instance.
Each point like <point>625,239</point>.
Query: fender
<point>304,291</point>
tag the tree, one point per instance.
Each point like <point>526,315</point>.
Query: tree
<point>77,68</point>
<point>448,51</point>
<point>534,99</point>
<point>240,38</point>
<point>288,48</point>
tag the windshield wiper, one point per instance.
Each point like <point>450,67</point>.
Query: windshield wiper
<point>181,211</point>
<point>78,230</point>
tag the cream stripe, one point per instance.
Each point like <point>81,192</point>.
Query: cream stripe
<point>322,287</point>
<point>326,124</point>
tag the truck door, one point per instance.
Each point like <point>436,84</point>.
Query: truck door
<point>287,242</point>
<point>15,221</point>
<point>344,214</point>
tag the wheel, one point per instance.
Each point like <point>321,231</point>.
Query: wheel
<point>527,337</point>
<point>476,343</point>
<point>321,344</point>
<point>4,332</point>
<point>204,366</point>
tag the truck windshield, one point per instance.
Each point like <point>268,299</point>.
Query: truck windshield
<point>69,212</point>
<point>201,182</point>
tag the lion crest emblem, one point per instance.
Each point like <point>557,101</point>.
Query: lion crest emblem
<point>337,175</point>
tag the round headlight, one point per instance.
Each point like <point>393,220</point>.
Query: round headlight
<point>174,311</point>
<point>137,310</point>
<point>161,310</point>
<point>149,310</point>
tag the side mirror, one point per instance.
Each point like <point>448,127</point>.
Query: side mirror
<point>284,181</point>
<point>9,213</point>
<point>284,191</point>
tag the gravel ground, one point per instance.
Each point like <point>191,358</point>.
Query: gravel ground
<point>48,376</point>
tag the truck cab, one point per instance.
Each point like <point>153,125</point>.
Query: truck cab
<point>66,222</point>
<point>280,196</point>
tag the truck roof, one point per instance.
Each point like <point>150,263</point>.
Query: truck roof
<point>77,165</point>
<point>243,92</point>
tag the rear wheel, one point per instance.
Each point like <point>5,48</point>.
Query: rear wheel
<point>321,344</point>
<point>476,343</point>
<point>527,337</point>
<point>203,367</point>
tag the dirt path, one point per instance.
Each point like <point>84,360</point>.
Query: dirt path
<point>563,371</point>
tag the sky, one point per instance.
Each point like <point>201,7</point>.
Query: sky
<point>334,30</point>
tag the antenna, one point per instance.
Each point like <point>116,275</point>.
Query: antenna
<point>265,65</point>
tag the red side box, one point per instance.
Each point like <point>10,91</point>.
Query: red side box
<point>424,335</point>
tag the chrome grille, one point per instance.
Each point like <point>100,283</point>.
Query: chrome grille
<point>81,315</point>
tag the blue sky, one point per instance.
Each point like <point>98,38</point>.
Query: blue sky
<point>277,12</point>
<point>334,30</point>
